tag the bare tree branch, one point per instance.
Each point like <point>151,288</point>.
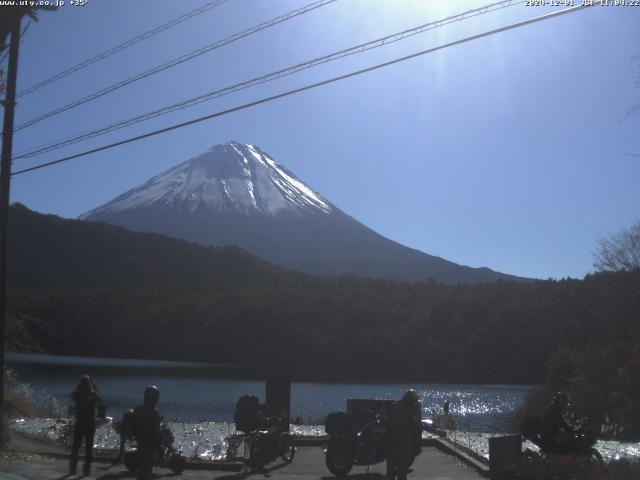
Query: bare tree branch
<point>619,251</point>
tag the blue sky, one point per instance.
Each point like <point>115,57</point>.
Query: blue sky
<point>507,152</point>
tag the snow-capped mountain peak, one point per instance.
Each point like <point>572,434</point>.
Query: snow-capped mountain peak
<point>232,177</point>
<point>236,194</point>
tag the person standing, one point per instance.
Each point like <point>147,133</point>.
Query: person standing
<point>146,428</point>
<point>85,396</point>
<point>402,427</point>
<point>556,429</point>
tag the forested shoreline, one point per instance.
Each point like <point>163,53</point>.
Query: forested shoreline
<point>493,333</point>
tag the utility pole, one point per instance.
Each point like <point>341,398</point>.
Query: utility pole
<point>5,185</point>
<point>10,19</point>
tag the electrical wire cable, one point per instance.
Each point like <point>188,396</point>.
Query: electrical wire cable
<point>121,46</point>
<point>306,87</point>
<point>177,61</point>
<point>386,40</point>
<point>4,56</point>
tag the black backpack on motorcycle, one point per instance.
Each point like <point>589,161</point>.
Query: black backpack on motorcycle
<point>247,414</point>
<point>338,423</point>
<point>532,429</point>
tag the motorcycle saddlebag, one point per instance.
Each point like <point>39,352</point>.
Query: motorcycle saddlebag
<point>337,423</point>
<point>532,429</point>
<point>247,414</point>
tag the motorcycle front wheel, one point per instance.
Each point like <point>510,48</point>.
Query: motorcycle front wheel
<point>338,462</point>
<point>257,455</point>
<point>288,449</point>
<point>177,463</point>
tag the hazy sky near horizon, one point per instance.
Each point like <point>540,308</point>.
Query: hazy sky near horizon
<point>512,151</point>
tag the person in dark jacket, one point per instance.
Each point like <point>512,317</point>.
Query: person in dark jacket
<point>86,397</point>
<point>146,423</point>
<point>556,429</point>
<point>402,428</point>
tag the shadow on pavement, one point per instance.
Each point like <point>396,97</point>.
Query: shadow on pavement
<point>358,476</point>
<point>126,474</point>
<point>250,473</point>
<point>116,475</point>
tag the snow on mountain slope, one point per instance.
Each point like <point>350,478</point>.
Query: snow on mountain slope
<point>231,177</point>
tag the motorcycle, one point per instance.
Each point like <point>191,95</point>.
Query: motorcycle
<point>267,445</point>
<point>167,455</point>
<point>347,447</point>
<point>265,437</point>
<point>580,442</point>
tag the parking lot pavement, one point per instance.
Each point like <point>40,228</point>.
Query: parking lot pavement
<point>308,464</point>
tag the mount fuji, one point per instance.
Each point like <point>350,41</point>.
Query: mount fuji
<point>236,194</point>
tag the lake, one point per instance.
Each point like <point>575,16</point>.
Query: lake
<point>185,396</point>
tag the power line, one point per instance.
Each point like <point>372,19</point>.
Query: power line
<point>269,77</point>
<point>4,56</point>
<point>305,88</point>
<point>177,61</point>
<point>122,46</point>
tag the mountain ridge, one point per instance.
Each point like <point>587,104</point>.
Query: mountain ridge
<point>48,251</point>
